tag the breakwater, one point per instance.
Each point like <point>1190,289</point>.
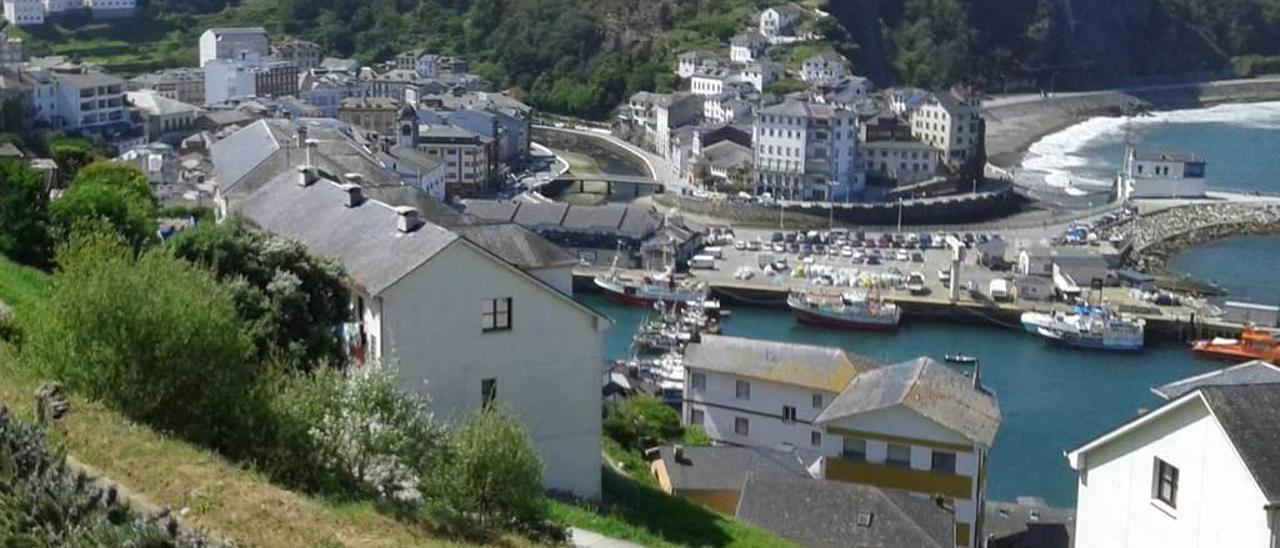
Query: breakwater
<point>1151,240</point>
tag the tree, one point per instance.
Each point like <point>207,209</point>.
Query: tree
<point>132,216</point>
<point>292,302</point>
<point>641,422</point>
<point>73,154</point>
<point>24,215</point>
<point>117,174</point>
<point>152,336</point>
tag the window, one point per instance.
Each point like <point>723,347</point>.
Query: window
<point>743,390</point>
<point>788,413</point>
<point>944,462</point>
<point>1164,486</point>
<point>817,401</point>
<point>741,427</point>
<point>815,439</point>
<point>488,393</point>
<point>496,314</point>
<point>899,455</point>
<point>696,416</point>
<point>698,382</point>
<point>854,449</point>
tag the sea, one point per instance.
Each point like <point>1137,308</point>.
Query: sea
<point>1054,399</point>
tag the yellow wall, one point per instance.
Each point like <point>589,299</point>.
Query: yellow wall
<point>962,534</point>
<point>906,479</point>
<point>725,502</point>
<point>659,470</point>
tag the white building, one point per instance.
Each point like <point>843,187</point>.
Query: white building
<point>779,22</point>
<point>90,101</point>
<point>690,62</point>
<point>807,151</point>
<point>709,82</point>
<point>111,8</point>
<point>951,123</point>
<point>463,323</point>
<point>228,80</point>
<point>24,12</point>
<point>920,427</point>
<point>905,162</point>
<point>1161,175</point>
<point>1202,470</point>
<point>759,74</point>
<point>671,112</point>
<point>747,47</point>
<point>231,43</point>
<point>822,69</point>
<point>763,393</point>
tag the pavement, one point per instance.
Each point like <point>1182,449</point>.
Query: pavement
<point>583,538</point>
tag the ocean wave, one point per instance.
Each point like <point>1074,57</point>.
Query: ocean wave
<point>1056,159</point>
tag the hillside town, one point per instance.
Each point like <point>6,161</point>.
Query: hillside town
<point>490,259</point>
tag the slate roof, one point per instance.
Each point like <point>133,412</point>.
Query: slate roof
<point>815,367</point>
<point>827,513</point>
<point>1254,372</point>
<point>606,217</point>
<point>795,107</point>
<point>1250,415</point>
<point>927,387</point>
<point>536,215</point>
<point>516,245</point>
<point>1028,523</point>
<point>497,210</point>
<point>158,105</point>
<point>725,468</point>
<point>363,239</point>
<point>727,154</point>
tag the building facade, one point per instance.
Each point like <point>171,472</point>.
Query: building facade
<point>951,123</point>
<point>807,151</point>
<point>376,114</point>
<point>232,43</point>
<point>180,84</point>
<point>304,54</point>
<point>24,12</point>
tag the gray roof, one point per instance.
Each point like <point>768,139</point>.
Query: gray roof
<point>727,154</point>
<point>927,387</point>
<point>363,239</point>
<point>816,367</point>
<point>827,513</point>
<point>606,217</point>
<point>1028,523</point>
<point>237,30</point>
<point>496,210</point>
<point>796,107</point>
<point>791,9</point>
<point>89,79</point>
<point>1254,372</point>
<point>1184,157</point>
<point>748,39</point>
<point>1250,415</point>
<point>516,245</point>
<point>725,468</point>
<point>414,157</point>
<point>540,214</point>
<point>157,105</point>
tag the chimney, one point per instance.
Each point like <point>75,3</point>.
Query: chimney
<point>307,176</point>
<point>355,193</point>
<point>311,145</point>
<point>407,219</point>
<point>679,454</point>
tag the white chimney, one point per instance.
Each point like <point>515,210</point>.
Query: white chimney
<point>407,219</point>
<point>355,195</point>
<point>307,176</point>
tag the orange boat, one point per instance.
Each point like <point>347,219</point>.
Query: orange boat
<point>1252,345</point>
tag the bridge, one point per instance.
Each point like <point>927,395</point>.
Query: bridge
<point>636,182</point>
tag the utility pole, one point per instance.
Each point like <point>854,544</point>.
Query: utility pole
<point>899,214</point>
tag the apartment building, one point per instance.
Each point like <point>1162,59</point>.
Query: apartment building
<point>951,123</point>
<point>180,84</point>
<point>807,151</point>
<point>232,43</point>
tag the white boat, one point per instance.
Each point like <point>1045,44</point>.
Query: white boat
<point>653,287</point>
<point>1088,327</point>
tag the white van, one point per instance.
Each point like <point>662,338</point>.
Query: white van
<point>714,251</point>
<point>705,262</point>
<point>1000,289</point>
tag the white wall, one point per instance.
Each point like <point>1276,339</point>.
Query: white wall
<point>547,366</point>
<point>763,411</point>
<point>1218,503</point>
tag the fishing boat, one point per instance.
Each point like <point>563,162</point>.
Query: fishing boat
<point>1253,344</point>
<point>652,287</point>
<point>854,310</point>
<point>1087,327</point>
<point>961,359</point>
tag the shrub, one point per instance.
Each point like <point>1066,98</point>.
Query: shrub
<point>24,216</point>
<point>129,215</point>
<point>641,422</point>
<point>151,335</point>
<point>352,432</point>
<point>490,479</point>
<point>42,504</point>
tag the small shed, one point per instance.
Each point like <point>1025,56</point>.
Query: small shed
<point>1034,288</point>
<point>1135,279</point>
<point>1262,315</point>
<point>991,253</point>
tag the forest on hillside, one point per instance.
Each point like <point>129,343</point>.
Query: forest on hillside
<point>582,57</point>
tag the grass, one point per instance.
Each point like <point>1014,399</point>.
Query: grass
<point>635,509</point>
<point>223,500</point>
<point>21,286</point>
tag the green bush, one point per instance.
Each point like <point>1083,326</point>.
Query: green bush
<point>489,480</point>
<point>24,216</point>
<point>151,335</point>
<point>641,422</point>
<point>350,433</point>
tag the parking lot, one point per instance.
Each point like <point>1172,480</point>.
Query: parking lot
<point>828,261</point>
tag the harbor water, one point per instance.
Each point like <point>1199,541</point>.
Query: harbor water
<point>1052,398</point>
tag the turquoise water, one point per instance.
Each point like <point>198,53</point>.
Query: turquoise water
<point>1052,399</point>
<point>1246,265</point>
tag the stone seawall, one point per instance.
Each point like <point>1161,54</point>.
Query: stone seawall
<point>946,210</point>
<point>1013,125</point>
<point>1154,239</point>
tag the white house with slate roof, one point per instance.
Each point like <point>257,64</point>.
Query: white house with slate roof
<point>454,305</point>
<point>1203,470</point>
<point>916,426</point>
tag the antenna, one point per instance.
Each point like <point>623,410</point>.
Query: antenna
<point>977,374</point>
